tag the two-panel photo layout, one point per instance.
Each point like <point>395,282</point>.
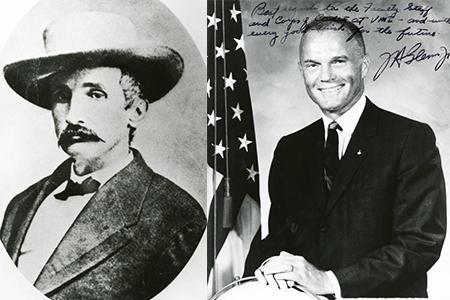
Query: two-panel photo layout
<point>224,149</point>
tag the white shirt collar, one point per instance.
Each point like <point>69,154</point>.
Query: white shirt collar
<point>103,175</point>
<point>349,119</point>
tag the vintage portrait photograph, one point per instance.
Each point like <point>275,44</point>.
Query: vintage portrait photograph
<point>328,149</point>
<point>103,148</point>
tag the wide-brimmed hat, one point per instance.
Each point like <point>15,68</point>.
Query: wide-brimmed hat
<point>92,39</point>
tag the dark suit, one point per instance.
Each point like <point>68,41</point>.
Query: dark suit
<point>129,242</point>
<point>383,224</point>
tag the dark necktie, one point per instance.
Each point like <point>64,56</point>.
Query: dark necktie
<point>89,185</point>
<point>331,158</point>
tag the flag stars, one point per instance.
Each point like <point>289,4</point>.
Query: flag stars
<point>234,13</point>
<point>240,43</point>
<point>229,81</point>
<point>212,20</point>
<point>237,112</point>
<point>218,149</point>
<point>208,87</point>
<point>212,119</point>
<point>244,143</point>
<point>251,173</point>
<point>221,51</point>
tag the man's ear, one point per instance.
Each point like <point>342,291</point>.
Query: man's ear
<point>300,67</point>
<point>365,65</point>
<point>137,111</point>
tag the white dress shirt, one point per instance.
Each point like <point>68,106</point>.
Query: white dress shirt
<point>54,218</point>
<point>348,122</point>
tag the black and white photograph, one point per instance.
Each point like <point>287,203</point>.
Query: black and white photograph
<point>103,148</point>
<point>328,149</point>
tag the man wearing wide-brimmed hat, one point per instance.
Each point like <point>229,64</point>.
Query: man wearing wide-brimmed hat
<point>103,225</point>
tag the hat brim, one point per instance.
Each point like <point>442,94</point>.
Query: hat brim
<point>157,69</point>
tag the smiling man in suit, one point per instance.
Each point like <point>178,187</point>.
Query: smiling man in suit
<point>357,197</point>
<point>103,225</point>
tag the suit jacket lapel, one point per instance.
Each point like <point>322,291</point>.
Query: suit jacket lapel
<point>357,151</point>
<point>315,164</point>
<point>102,227</point>
<point>20,221</point>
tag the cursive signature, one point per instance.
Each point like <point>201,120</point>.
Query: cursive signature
<point>414,54</point>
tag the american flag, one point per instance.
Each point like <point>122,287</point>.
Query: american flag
<point>234,216</point>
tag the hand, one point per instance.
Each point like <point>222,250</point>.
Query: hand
<point>285,270</point>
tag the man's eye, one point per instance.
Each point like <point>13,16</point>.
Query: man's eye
<point>311,66</point>
<point>337,62</point>
<point>96,94</point>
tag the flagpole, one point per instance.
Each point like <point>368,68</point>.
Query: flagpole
<point>214,269</point>
<point>233,160</point>
<point>227,217</point>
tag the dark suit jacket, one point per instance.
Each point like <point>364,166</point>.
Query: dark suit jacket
<point>129,242</point>
<point>383,224</point>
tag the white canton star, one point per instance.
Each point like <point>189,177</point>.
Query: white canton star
<point>240,43</point>
<point>218,149</point>
<point>244,142</point>
<point>237,112</point>
<point>230,81</point>
<point>251,173</point>
<point>208,87</point>
<point>211,118</point>
<point>221,51</point>
<point>212,20</point>
<point>234,13</point>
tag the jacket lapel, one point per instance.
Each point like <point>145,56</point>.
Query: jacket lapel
<point>358,149</point>
<point>102,228</point>
<point>315,164</point>
<point>19,222</point>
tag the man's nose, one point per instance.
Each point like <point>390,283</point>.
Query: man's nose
<point>326,73</point>
<point>77,110</point>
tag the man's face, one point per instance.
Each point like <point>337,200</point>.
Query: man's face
<point>333,70</point>
<point>88,108</point>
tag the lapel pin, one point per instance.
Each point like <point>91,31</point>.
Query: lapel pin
<point>359,152</point>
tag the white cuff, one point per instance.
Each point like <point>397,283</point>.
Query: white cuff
<point>335,283</point>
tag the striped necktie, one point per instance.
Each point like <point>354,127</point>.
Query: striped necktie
<point>331,158</point>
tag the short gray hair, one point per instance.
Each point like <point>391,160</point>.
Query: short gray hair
<point>322,23</point>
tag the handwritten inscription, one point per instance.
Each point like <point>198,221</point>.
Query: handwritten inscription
<point>284,21</point>
<point>423,10</point>
<point>417,32</point>
<point>262,10</point>
<point>290,21</point>
<point>369,7</point>
<point>272,34</point>
<point>403,23</point>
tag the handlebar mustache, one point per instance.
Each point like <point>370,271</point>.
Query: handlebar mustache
<point>77,133</point>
